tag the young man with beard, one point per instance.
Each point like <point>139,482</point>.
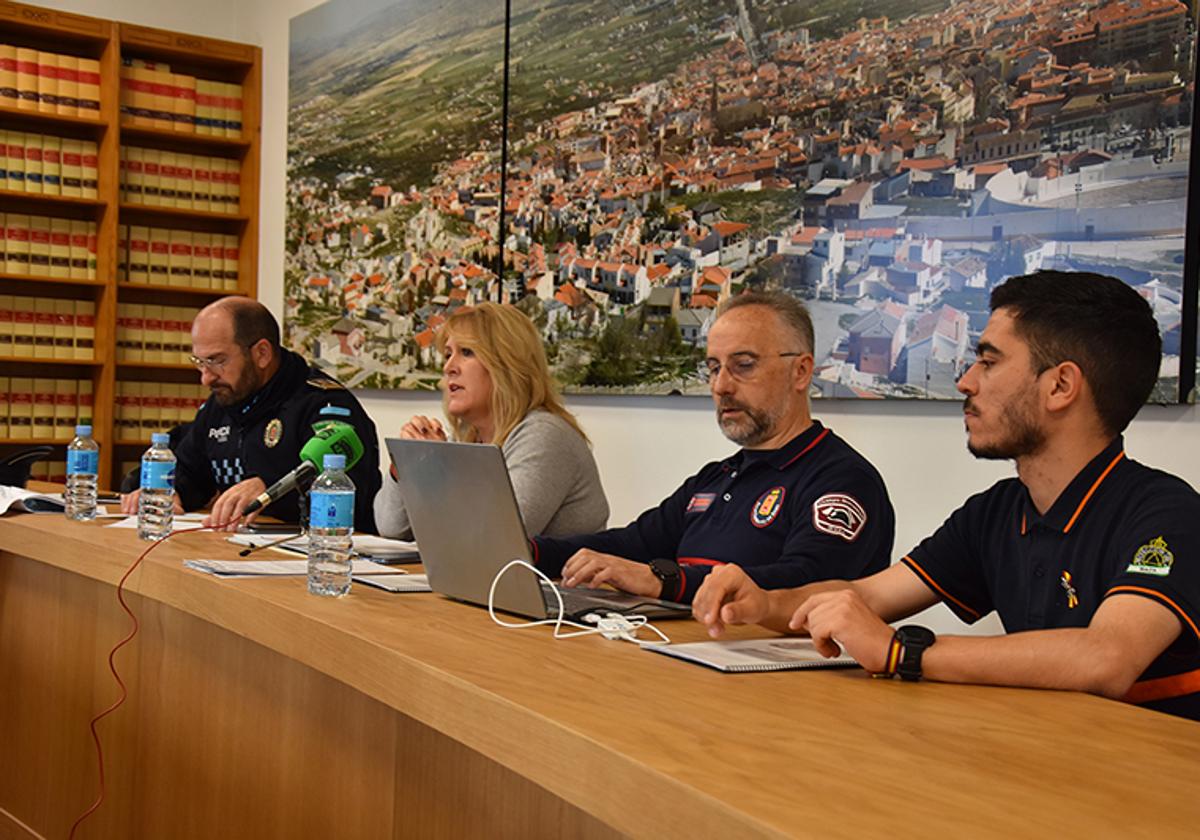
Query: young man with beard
<point>1089,558</point>
<point>249,433</point>
<point>794,505</point>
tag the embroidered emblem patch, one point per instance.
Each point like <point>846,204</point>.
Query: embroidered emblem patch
<point>273,433</point>
<point>767,507</point>
<point>1152,559</point>
<point>839,515</point>
<point>700,502</point>
<point>1072,596</point>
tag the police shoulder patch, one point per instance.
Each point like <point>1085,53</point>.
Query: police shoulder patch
<point>326,384</point>
<point>839,515</point>
<point>767,507</point>
<point>1154,558</point>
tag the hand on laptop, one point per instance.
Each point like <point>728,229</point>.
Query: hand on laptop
<point>423,428</point>
<point>591,568</point>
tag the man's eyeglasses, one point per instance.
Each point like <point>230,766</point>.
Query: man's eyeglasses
<point>217,363</point>
<point>741,366</point>
<point>213,364</point>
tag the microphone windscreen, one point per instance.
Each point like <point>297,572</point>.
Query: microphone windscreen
<point>333,437</point>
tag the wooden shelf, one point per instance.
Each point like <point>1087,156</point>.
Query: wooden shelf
<point>192,291</point>
<point>32,360</point>
<point>52,202</point>
<point>43,123</point>
<point>184,141</point>
<point>35,441</point>
<point>141,443</point>
<point>194,50</point>
<point>39,279</point>
<point>156,366</point>
<point>129,209</point>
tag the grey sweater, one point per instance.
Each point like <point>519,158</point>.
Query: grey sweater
<point>553,475</point>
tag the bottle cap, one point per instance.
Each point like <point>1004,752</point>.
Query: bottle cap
<point>335,462</point>
<point>334,411</point>
<point>83,431</point>
<point>160,438</point>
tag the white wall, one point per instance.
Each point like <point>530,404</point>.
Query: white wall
<point>646,446</point>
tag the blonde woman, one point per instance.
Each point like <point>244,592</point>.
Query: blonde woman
<point>496,388</point>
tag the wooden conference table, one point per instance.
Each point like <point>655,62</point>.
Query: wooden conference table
<point>259,711</point>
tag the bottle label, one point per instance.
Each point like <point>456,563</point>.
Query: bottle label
<point>158,475</point>
<point>83,462</point>
<point>331,510</point>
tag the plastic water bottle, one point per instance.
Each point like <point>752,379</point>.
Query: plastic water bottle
<point>83,463</point>
<point>330,526</point>
<point>156,505</point>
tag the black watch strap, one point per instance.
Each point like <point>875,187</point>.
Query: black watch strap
<point>913,640</point>
<point>670,573</point>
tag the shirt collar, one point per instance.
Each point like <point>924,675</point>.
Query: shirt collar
<point>1071,503</point>
<point>787,454</point>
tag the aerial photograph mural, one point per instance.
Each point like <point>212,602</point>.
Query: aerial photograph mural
<point>888,163</point>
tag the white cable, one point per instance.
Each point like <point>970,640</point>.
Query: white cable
<point>611,626</point>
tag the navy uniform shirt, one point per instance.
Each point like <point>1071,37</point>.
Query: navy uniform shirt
<point>813,510</point>
<point>1119,528</point>
<point>262,437</point>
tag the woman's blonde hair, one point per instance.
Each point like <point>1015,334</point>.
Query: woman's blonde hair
<point>507,343</point>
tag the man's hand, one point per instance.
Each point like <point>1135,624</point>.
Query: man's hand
<point>423,428</point>
<point>229,505</point>
<point>842,617</point>
<point>728,596</point>
<point>129,503</point>
<point>591,568</point>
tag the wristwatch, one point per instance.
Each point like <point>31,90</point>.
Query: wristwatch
<point>667,571</point>
<point>913,640</point>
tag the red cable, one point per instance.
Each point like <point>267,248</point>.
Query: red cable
<point>112,665</point>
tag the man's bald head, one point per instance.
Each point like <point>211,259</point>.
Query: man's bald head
<point>250,321</point>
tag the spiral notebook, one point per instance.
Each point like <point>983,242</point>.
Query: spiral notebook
<point>737,656</point>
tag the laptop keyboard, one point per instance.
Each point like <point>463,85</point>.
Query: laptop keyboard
<point>580,600</point>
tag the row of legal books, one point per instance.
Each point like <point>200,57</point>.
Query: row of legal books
<point>44,247</point>
<point>49,83</point>
<point>177,258</point>
<point>143,408</point>
<point>43,408</point>
<point>154,97</point>
<point>153,333</point>
<point>48,165</point>
<point>173,179</point>
<point>47,328</point>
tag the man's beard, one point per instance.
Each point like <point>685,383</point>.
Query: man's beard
<point>1021,435</point>
<point>237,391</point>
<point>752,429</point>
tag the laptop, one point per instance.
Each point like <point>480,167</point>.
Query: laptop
<point>467,526</point>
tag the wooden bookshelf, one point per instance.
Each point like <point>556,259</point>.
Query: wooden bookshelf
<point>110,42</point>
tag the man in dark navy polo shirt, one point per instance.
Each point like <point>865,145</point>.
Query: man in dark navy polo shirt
<point>1090,559</point>
<point>796,504</point>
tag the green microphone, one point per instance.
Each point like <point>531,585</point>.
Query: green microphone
<point>330,437</point>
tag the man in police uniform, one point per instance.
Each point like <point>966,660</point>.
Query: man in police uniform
<point>249,433</point>
<point>795,504</point>
<point>1089,558</point>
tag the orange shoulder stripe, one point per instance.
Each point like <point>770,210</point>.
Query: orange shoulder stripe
<point>1158,596</point>
<point>912,564</point>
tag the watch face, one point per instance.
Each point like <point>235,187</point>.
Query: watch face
<point>914,634</point>
<point>664,568</point>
